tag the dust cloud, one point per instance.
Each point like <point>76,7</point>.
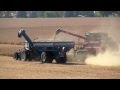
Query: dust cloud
<point>105,59</point>
<point>108,58</point>
<point>70,56</point>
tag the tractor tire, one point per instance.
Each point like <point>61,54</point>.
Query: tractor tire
<point>43,57</point>
<point>61,60</point>
<point>15,56</point>
<point>49,59</point>
<point>23,56</point>
<point>19,56</point>
<point>46,58</point>
<point>29,56</point>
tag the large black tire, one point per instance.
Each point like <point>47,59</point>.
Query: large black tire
<point>49,59</point>
<point>29,56</point>
<point>15,56</point>
<point>23,56</point>
<point>19,56</point>
<point>46,58</point>
<point>61,60</point>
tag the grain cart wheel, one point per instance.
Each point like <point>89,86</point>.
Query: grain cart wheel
<point>43,57</point>
<point>46,58</point>
<point>49,58</point>
<point>61,59</point>
<point>23,56</point>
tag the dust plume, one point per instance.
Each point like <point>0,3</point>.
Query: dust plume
<point>70,56</point>
<point>109,58</point>
<point>105,59</point>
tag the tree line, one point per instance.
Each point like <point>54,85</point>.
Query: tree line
<point>49,14</point>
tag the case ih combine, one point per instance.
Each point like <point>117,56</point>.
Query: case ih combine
<point>44,51</point>
<point>94,42</point>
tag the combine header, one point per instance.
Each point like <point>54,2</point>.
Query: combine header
<point>44,51</point>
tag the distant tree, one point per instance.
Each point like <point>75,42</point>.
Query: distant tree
<point>86,13</point>
<point>41,14</point>
<point>8,14</point>
<point>21,14</point>
<point>97,14</point>
<point>33,14</point>
<point>61,13</point>
<point>48,14</point>
<point>69,14</point>
<point>77,13</point>
<point>90,13</point>
<point>106,13</point>
<point>118,12</point>
<point>45,14</point>
<point>52,14</point>
<point>1,14</point>
<point>57,13</point>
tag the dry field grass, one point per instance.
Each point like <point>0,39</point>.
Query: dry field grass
<point>45,29</point>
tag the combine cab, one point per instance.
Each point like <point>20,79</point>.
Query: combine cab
<point>94,41</point>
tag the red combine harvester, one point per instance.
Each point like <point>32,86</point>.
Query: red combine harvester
<point>94,42</point>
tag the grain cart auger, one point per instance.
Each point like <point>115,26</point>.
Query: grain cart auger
<point>44,51</point>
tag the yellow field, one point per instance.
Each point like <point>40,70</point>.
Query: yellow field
<point>44,29</point>
<point>35,70</point>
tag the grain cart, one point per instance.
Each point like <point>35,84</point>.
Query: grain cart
<point>44,51</point>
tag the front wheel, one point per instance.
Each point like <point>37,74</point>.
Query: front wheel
<point>46,57</point>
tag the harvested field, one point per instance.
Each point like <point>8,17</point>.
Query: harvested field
<point>8,50</point>
<point>36,70</point>
<point>44,29</point>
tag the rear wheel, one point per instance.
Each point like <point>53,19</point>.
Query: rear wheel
<point>61,59</point>
<point>23,56</point>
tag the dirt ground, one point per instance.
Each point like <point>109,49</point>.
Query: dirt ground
<point>44,29</point>
<point>10,69</point>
